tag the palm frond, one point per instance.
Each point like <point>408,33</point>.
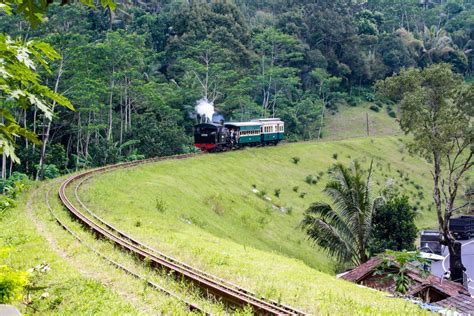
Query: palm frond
<point>328,237</point>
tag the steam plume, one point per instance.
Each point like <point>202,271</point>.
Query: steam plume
<point>205,109</point>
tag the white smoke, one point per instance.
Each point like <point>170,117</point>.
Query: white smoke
<point>205,109</point>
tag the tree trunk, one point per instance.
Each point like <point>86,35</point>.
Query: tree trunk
<point>39,174</point>
<point>112,84</point>
<point>456,267</point>
<point>455,261</point>
<point>4,166</point>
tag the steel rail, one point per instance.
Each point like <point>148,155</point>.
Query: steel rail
<point>209,284</point>
<point>191,306</point>
<point>167,257</point>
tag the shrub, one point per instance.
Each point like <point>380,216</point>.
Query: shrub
<point>277,192</point>
<point>295,160</point>
<point>50,171</point>
<point>302,194</point>
<point>160,205</point>
<point>310,179</point>
<point>138,223</point>
<point>334,156</point>
<point>15,177</point>
<point>11,282</point>
<point>352,101</point>
<point>393,226</point>
<point>392,114</point>
<point>295,188</point>
<point>374,108</point>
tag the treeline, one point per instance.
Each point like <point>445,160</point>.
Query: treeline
<point>134,74</point>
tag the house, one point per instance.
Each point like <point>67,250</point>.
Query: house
<point>431,289</point>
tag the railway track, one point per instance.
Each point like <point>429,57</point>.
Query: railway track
<point>191,306</point>
<point>209,284</point>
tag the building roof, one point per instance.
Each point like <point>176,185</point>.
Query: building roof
<point>257,124</point>
<point>461,303</point>
<point>447,287</point>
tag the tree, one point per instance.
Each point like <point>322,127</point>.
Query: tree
<point>326,85</point>
<point>20,84</point>
<point>344,228</point>
<point>277,79</point>
<point>393,226</point>
<point>436,109</point>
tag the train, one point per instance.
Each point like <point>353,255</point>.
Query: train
<point>214,137</point>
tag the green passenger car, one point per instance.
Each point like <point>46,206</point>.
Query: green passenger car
<point>245,133</point>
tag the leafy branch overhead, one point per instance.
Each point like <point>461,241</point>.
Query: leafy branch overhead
<point>21,85</point>
<point>34,11</point>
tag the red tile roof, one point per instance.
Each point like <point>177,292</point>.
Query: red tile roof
<point>367,269</point>
<point>461,303</point>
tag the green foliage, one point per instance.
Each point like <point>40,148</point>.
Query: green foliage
<point>21,87</point>
<point>344,228</point>
<point>12,282</point>
<point>11,187</point>
<point>160,205</point>
<point>374,108</point>
<point>277,192</point>
<point>135,74</point>
<point>310,179</point>
<point>50,171</point>
<point>393,225</point>
<point>34,11</point>
<point>296,160</point>
<point>402,262</point>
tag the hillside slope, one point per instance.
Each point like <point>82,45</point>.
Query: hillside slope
<point>351,122</point>
<point>203,211</point>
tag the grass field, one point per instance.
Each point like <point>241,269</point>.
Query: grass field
<point>350,122</point>
<point>203,211</point>
<point>79,282</point>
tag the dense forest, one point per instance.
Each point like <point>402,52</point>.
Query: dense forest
<point>134,74</point>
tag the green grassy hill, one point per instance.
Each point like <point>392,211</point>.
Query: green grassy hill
<point>203,211</point>
<point>350,122</point>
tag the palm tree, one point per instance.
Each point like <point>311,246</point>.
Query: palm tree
<point>344,228</point>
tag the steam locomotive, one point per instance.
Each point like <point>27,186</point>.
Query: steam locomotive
<point>220,137</point>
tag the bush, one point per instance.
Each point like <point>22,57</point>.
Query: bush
<point>160,205</point>
<point>334,156</point>
<point>50,171</point>
<point>295,160</point>
<point>302,194</point>
<point>310,179</point>
<point>15,177</point>
<point>374,108</point>
<point>393,226</point>
<point>277,192</point>
<point>392,114</point>
<point>11,282</point>
<point>295,188</point>
<point>352,101</point>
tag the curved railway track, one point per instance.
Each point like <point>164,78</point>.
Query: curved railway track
<point>209,284</point>
<point>191,306</point>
